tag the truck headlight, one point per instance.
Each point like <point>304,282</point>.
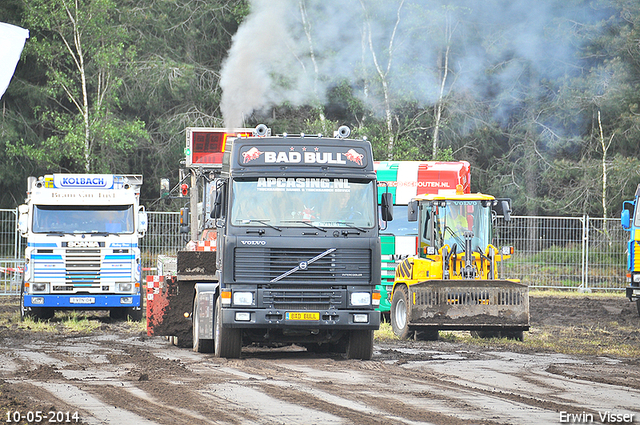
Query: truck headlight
<point>37,300</point>
<point>360,298</point>
<point>124,286</point>
<point>39,287</point>
<point>126,300</point>
<point>243,298</point>
<point>636,278</point>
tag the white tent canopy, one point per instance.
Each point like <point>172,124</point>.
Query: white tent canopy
<point>12,40</point>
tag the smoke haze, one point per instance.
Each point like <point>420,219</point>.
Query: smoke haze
<point>295,50</point>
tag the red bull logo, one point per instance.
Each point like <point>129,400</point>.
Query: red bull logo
<point>354,156</point>
<point>251,154</point>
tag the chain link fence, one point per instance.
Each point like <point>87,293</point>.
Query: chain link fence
<point>565,252</point>
<point>550,252</point>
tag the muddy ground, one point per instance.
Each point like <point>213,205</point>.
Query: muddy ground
<point>580,358</point>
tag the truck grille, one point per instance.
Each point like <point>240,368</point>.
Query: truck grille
<point>303,300</point>
<point>83,266</point>
<point>340,267</point>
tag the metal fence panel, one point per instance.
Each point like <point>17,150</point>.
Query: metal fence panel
<point>162,238</point>
<point>565,252</point>
<point>9,237</point>
<point>550,252</point>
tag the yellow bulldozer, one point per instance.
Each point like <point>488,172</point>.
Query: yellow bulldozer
<point>456,281</point>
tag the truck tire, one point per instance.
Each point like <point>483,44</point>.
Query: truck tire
<point>638,306</point>
<point>227,341</point>
<point>360,345</point>
<point>400,312</point>
<point>122,313</point>
<point>200,345</point>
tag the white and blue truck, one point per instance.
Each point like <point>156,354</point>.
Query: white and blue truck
<point>82,252</point>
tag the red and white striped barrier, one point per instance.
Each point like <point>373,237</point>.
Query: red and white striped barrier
<point>153,285</point>
<point>11,270</point>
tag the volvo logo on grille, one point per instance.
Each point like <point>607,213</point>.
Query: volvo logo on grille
<point>253,242</point>
<point>303,265</point>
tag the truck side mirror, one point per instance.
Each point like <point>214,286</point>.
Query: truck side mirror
<point>184,220</point>
<point>218,203</point>
<point>386,206</point>
<point>143,222</point>
<point>625,216</point>
<point>624,219</point>
<point>412,210</point>
<point>23,219</point>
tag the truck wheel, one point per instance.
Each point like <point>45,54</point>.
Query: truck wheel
<point>638,305</point>
<point>199,345</point>
<point>227,341</point>
<point>360,345</point>
<point>400,312</point>
<point>117,313</point>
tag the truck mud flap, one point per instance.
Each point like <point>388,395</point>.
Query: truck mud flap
<point>470,304</point>
<point>167,302</point>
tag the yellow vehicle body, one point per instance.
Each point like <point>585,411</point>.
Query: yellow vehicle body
<point>443,289</point>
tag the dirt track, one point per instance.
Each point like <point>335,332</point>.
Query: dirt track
<point>116,376</point>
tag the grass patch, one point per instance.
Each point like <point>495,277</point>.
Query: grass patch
<point>76,322</point>
<point>137,326</point>
<point>574,293</point>
<point>36,325</point>
<point>572,340</point>
<point>385,333</point>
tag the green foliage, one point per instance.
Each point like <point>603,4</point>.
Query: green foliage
<point>524,116</point>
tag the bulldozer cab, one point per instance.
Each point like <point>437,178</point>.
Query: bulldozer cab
<point>453,221</point>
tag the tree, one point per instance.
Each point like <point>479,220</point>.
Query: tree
<point>84,52</point>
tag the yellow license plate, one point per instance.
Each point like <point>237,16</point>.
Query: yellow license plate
<point>302,315</point>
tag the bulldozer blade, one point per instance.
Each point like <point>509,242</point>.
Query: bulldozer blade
<point>469,304</point>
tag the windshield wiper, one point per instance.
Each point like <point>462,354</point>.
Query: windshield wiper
<point>55,233</point>
<point>96,233</point>
<point>307,223</point>
<point>262,221</point>
<point>454,234</point>
<point>351,226</point>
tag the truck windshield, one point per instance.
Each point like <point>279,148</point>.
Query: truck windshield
<point>116,219</point>
<point>461,216</point>
<point>304,201</point>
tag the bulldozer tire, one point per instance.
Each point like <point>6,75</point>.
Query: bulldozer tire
<point>517,335</point>
<point>227,341</point>
<point>200,345</point>
<point>400,312</point>
<point>360,345</point>
<point>485,334</point>
<point>428,335</point>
